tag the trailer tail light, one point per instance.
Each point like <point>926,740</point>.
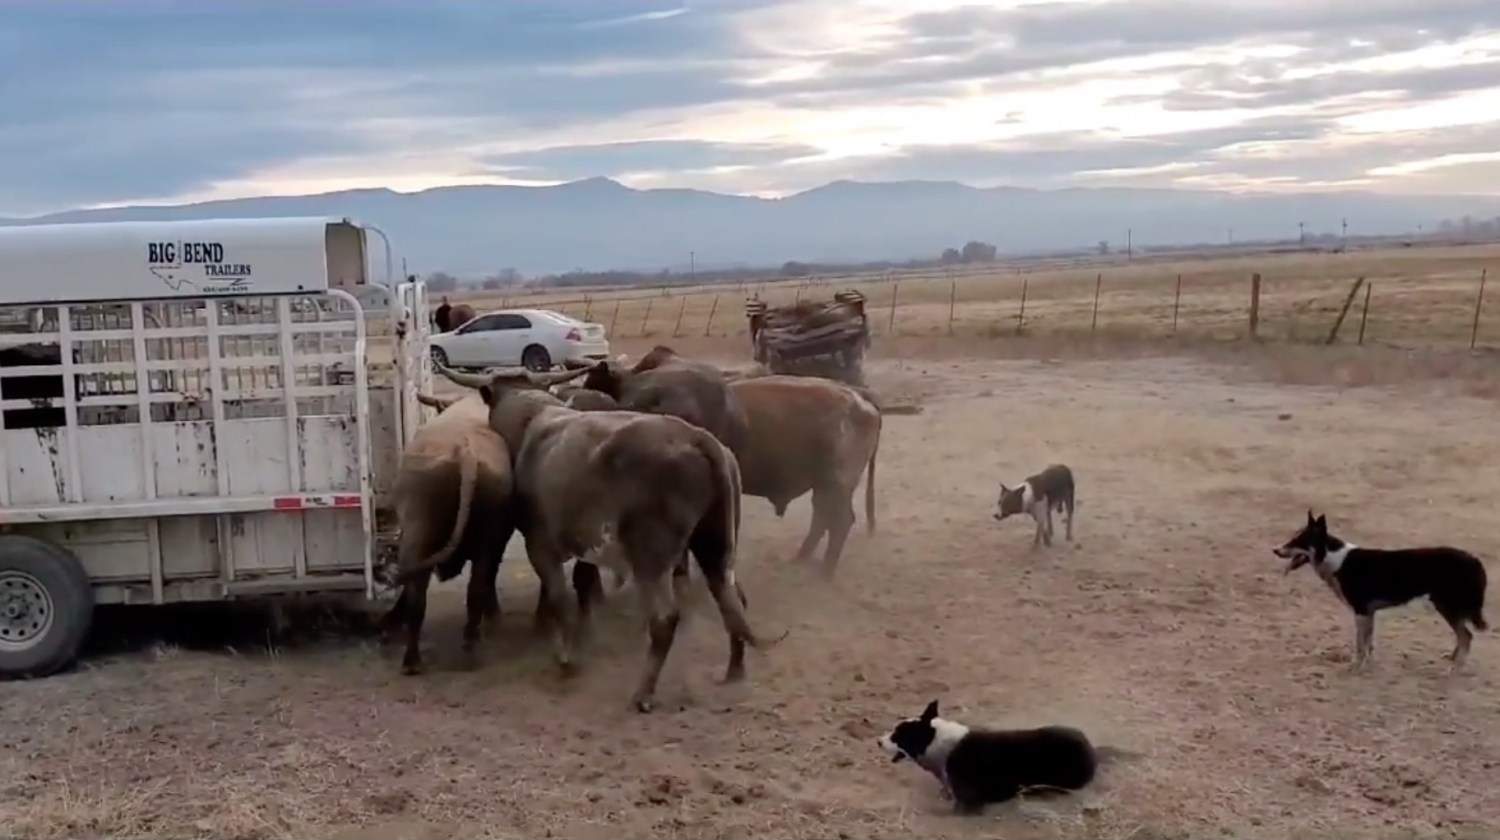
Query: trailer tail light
<point>573,335</point>
<point>319,502</point>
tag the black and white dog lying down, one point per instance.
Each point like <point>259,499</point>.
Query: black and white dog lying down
<point>1373,579</point>
<point>1039,495</point>
<point>978,766</point>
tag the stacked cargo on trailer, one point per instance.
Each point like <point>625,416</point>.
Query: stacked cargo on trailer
<point>190,416</point>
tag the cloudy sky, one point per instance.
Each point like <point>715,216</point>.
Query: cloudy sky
<point>165,100</point>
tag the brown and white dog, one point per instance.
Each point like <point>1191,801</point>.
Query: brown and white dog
<point>1039,495</point>
<point>1373,579</point>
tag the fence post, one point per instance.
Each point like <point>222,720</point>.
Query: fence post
<point>615,317</point>
<point>588,306</point>
<point>677,327</point>
<point>797,298</point>
<point>1176,304</point>
<point>1255,305</point>
<point>890,328</point>
<point>1478,305</point>
<point>647,316</point>
<point>1338,322</point>
<point>714,307</point>
<point>952,297</point>
<point>1365,316</point>
<point>1098,283</point>
<point>1021,317</point>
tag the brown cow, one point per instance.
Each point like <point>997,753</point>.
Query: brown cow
<point>663,382</point>
<point>453,502</point>
<point>642,490</point>
<point>458,315</point>
<point>812,434</point>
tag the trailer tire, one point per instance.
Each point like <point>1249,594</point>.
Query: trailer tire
<point>46,607</point>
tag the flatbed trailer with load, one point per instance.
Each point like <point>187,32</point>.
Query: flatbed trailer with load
<point>187,413</point>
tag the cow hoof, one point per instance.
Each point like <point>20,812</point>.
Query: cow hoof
<point>567,670</point>
<point>644,705</point>
<point>411,669</point>
<point>733,676</point>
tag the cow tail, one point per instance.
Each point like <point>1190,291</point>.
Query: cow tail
<point>468,481</point>
<point>870,478</point>
<point>718,568</point>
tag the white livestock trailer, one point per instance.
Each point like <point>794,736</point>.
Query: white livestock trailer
<point>187,413</point>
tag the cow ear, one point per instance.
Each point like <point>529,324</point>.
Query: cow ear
<point>487,393</point>
<point>931,712</point>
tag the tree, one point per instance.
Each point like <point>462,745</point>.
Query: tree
<point>951,256</point>
<point>978,252</point>
<point>441,281</point>
<point>795,269</point>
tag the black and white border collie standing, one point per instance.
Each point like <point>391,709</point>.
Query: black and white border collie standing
<point>1373,579</point>
<point>979,766</point>
<point>1039,495</point>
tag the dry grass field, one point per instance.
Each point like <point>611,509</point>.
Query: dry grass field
<point>1167,628</point>
<point>1419,297</point>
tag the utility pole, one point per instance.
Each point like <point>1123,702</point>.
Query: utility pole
<point>692,264</point>
<point>1230,240</point>
<point>1129,243</point>
<point>1344,234</point>
<point>1301,235</point>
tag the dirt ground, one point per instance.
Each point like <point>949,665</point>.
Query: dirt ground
<point>1166,629</point>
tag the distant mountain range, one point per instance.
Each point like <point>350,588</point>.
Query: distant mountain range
<point>599,224</point>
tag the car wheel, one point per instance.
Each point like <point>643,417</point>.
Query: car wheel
<point>536,357</point>
<point>439,357</point>
<point>46,607</point>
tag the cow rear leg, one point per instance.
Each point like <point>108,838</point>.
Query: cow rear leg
<point>388,622</point>
<point>663,614</point>
<point>815,531</point>
<point>480,599</point>
<point>499,541</point>
<point>561,611</point>
<point>838,518</point>
<point>589,587</point>
<point>415,595</point>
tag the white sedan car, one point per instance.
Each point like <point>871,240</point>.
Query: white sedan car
<point>535,338</point>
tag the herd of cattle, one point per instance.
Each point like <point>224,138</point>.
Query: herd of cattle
<point>630,469</point>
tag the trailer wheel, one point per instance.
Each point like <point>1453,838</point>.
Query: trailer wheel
<point>46,607</point>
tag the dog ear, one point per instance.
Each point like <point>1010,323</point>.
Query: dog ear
<point>1321,521</point>
<point>1309,516</point>
<point>930,712</point>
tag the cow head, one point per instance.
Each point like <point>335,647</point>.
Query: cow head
<point>606,377</point>
<point>515,396</point>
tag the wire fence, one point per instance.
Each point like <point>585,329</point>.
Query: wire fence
<point>1430,302</point>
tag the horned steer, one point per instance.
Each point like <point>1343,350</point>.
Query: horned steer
<point>807,433</point>
<point>663,382</point>
<point>453,502</point>
<point>658,486</point>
